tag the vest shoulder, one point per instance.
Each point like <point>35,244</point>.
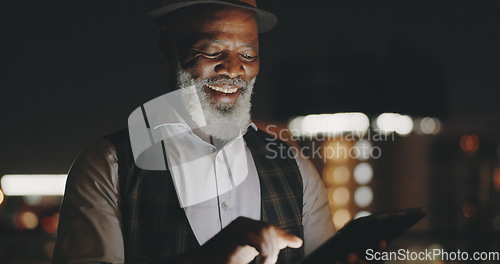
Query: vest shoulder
<point>121,141</point>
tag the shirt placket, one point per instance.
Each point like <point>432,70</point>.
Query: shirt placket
<point>223,179</point>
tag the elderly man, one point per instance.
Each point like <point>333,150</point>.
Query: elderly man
<point>221,197</point>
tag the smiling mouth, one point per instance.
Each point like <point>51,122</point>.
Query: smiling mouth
<point>222,89</point>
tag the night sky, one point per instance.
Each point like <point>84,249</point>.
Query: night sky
<point>72,71</point>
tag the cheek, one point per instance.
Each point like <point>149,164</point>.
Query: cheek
<point>201,68</point>
<point>252,70</point>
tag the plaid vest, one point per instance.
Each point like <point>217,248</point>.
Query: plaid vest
<point>154,225</point>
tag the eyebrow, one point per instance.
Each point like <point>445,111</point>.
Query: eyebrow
<point>223,42</point>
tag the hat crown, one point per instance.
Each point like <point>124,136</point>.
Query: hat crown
<point>266,20</point>
<point>248,2</point>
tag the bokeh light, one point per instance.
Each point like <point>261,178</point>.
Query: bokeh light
<point>496,179</point>
<point>469,143</point>
<point>337,151</point>
<point>331,124</point>
<point>430,126</point>
<point>28,220</point>
<point>387,123</point>
<point>469,209</point>
<point>404,125</point>
<point>341,196</point>
<point>328,175</point>
<point>49,224</point>
<point>341,175</point>
<point>433,247</point>
<point>32,200</point>
<point>363,173</point>
<point>363,149</point>
<point>1,197</point>
<point>363,196</point>
<point>33,184</point>
<point>340,218</point>
<point>295,125</point>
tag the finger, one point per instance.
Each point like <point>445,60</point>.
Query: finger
<point>245,254</point>
<point>268,259</point>
<point>286,239</point>
<point>275,239</point>
<point>262,242</point>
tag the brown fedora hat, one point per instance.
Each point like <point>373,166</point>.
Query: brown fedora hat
<point>265,20</point>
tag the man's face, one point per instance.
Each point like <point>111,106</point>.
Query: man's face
<point>221,46</point>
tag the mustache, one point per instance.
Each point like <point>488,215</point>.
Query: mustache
<point>184,79</point>
<point>238,81</point>
<point>225,80</point>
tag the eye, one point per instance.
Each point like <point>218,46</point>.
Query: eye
<point>210,55</point>
<point>248,57</point>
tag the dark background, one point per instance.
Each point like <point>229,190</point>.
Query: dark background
<point>73,71</point>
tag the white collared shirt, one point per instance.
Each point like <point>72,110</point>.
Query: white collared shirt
<point>215,183</point>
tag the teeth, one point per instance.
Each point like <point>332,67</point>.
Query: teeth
<point>223,90</point>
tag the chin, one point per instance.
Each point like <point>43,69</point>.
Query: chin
<point>224,108</point>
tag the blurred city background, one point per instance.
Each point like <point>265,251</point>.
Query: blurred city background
<point>407,93</point>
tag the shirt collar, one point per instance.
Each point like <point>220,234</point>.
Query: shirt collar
<point>169,110</point>
<point>253,126</point>
<point>167,116</point>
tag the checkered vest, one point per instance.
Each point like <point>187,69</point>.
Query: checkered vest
<point>154,224</point>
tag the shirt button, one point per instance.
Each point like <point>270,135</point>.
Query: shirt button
<point>224,205</point>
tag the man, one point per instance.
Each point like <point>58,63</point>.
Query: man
<point>219,198</point>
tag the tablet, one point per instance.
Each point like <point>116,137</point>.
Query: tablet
<point>364,233</point>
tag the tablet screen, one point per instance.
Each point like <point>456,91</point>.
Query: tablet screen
<point>363,233</point>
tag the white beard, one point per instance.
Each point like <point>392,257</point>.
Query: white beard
<point>224,121</point>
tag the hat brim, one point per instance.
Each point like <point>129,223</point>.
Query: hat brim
<point>265,20</point>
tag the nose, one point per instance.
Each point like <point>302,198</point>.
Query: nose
<point>230,66</point>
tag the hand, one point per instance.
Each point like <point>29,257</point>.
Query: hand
<point>244,239</point>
